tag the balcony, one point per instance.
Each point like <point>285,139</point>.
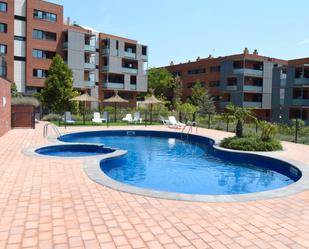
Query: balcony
<point>283,82</point>
<point>300,102</point>
<point>224,104</point>
<point>248,71</point>
<point>302,81</point>
<point>231,88</point>
<point>89,66</point>
<point>255,89</point>
<point>144,57</point>
<point>133,87</point>
<point>105,51</point>
<point>252,104</point>
<point>130,55</point>
<point>113,85</point>
<point>89,83</point>
<point>65,45</point>
<point>129,70</point>
<point>89,48</point>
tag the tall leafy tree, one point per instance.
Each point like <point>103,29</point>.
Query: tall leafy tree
<point>159,79</point>
<point>201,98</point>
<point>58,88</point>
<point>14,91</point>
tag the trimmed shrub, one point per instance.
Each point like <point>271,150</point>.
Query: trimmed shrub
<point>251,143</point>
<point>25,101</point>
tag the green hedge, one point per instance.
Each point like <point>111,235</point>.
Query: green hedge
<point>251,143</point>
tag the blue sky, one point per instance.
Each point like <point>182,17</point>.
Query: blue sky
<point>181,30</point>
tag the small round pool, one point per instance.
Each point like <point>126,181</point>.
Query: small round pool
<point>73,150</point>
<point>170,162</point>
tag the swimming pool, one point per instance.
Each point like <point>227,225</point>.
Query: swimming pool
<point>73,150</point>
<point>162,161</point>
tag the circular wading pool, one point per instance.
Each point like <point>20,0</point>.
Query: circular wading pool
<point>168,162</point>
<point>74,150</point>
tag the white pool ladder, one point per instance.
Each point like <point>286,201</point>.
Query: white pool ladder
<point>190,125</point>
<point>56,130</point>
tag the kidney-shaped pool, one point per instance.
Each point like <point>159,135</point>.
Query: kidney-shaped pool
<point>163,161</point>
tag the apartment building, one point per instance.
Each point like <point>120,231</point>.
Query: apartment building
<point>32,32</point>
<point>243,79</point>
<point>290,98</point>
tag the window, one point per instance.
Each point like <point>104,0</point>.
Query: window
<point>19,38</point>
<point>177,73</point>
<point>3,49</point>
<point>144,50</point>
<point>196,71</point>
<point>44,35</point>
<point>3,28</point>
<point>40,73</point>
<point>41,54</point>
<point>214,83</point>
<point>3,7</point>
<point>214,69</point>
<point>42,15</point>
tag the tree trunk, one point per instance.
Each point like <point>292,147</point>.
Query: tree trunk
<point>239,129</point>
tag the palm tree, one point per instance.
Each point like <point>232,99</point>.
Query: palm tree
<point>241,114</point>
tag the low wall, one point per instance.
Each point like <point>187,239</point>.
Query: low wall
<point>23,117</point>
<point>5,106</point>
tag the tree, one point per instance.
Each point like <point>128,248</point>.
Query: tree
<point>202,99</point>
<point>177,92</point>
<point>58,88</point>
<point>14,91</point>
<point>159,79</point>
<point>241,114</point>
<point>268,130</point>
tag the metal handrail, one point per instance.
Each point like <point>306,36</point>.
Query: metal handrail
<point>189,124</point>
<point>56,130</point>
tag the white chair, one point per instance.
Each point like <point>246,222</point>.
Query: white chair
<point>97,118</point>
<point>68,118</point>
<point>105,116</point>
<point>174,123</point>
<point>137,118</point>
<point>166,122</point>
<point>128,118</point>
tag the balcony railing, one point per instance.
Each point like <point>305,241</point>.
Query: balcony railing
<point>249,71</point>
<point>231,88</point>
<point>105,68</point>
<point>130,55</point>
<point>113,85</point>
<point>105,51</point>
<point>224,104</point>
<point>300,102</point>
<point>89,48</point>
<point>302,81</point>
<point>129,70</point>
<point>132,86</point>
<point>89,83</point>
<point>89,66</point>
<point>248,88</point>
<point>65,45</point>
<point>144,57</point>
<point>252,104</point>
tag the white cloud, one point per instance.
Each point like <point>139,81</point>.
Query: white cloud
<point>303,42</point>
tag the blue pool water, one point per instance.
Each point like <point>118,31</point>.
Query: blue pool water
<point>164,162</point>
<point>73,150</point>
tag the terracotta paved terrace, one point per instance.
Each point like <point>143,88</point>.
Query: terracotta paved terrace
<point>50,203</point>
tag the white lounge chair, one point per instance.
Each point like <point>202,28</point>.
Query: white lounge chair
<point>174,123</point>
<point>165,121</point>
<point>105,116</point>
<point>68,118</point>
<point>97,118</point>
<point>128,118</point>
<point>137,118</point>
